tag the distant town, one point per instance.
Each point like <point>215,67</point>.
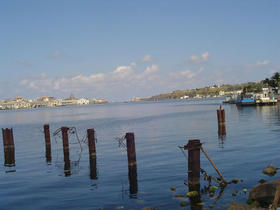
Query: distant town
<point>264,91</point>
<point>46,101</point>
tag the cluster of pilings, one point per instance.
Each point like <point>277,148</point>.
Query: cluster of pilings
<point>131,155</point>
<point>9,153</point>
<point>193,147</point>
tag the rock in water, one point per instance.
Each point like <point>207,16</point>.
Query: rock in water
<point>263,193</point>
<point>270,170</point>
<point>239,206</point>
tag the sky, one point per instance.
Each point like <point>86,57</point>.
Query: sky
<point>120,49</point>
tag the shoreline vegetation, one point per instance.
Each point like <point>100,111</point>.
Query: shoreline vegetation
<point>224,90</point>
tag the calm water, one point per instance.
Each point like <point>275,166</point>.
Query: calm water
<point>251,143</point>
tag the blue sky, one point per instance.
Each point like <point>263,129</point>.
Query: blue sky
<point>122,49</point>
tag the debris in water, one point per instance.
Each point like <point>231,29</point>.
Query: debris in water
<point>212,189</point>
<point>173,189</point>
<point>192,194</point>
<point>183,204</point>
<point>181,197</point>
<point>235,181</point>
<point>261,181</point>
<point>270,170</point>
<point>149,208</point>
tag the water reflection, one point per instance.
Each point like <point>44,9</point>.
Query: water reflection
<point>67,168</point>
<point>133,185</point>
<point>195,200</point>
<point>48,154</point>
<point>93,169</point>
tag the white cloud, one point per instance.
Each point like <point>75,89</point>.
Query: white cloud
<point>152,69</point>
<point>133,63</point>
<point>147,58</point>
<point>186,74</point>
<point>196,59</point>
<point>263,63</point>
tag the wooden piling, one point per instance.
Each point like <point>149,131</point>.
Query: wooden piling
<point>132,164</point>
<point>48,142</point>
<point>65,141</point>
<point>9,147</point>
<point>221,122</point>
<point>193,148</point>
<point>221,115</point>
<point>92,153</point>
<point>130,144</point>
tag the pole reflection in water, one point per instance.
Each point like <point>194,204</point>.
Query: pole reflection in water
<point>132,176</point>
<point>195,200</point>
<point>67,168</point>
<point>132,164</point>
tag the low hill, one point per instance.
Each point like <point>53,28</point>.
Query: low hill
<point>212,91</point>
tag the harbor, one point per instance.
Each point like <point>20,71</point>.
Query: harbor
<point>241,152</point>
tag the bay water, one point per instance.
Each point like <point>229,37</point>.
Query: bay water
<point>251,143</point>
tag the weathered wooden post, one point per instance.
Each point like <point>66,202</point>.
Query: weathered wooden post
<point>132,164</point>
<point>193,148</point>
<point>48,143</point>
<point>65,141</point>
<point>221,122</point>
<point>5,144</point>
<point>92,153</point>
<point>12,147</point>
<point>9,147</point>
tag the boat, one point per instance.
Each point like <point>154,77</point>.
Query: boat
<point>231,99</point>
<point>266,101</point>
<point>246,100</point>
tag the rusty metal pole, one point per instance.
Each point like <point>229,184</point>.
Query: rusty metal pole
<point>5,135</point>
<point>132,164</point>
<point>65,141</point>
<point>92,153</point>
<point>9,147</point>
<point>193,148</point>
<point>221,122</point>
<point>48,143</point>
<point>12,147</point>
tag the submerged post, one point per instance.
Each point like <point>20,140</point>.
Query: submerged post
<point>65,141</point>
<point>132,164</point>
<point>9,147</point>
<point>92,153</point>
<point>64,131</point>
<point>221,122</point>
<point>48,142</point>
<point>193,148</point>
